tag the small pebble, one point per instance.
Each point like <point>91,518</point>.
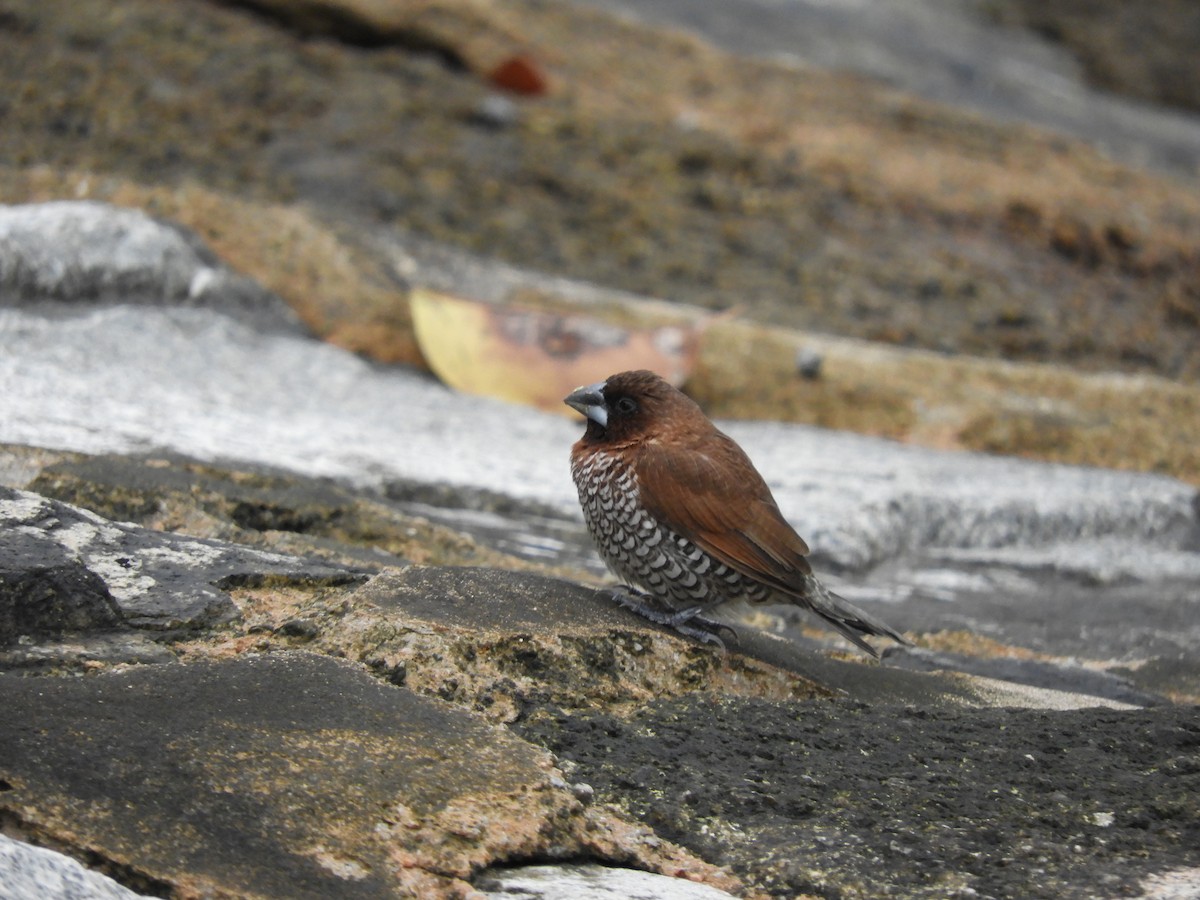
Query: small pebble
<point>496,111</point>
<point>808,363</point>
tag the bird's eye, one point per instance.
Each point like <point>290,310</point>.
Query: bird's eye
<point>627,405</point>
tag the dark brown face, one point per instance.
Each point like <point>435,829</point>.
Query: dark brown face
<point>624,407</point>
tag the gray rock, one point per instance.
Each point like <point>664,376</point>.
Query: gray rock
<point>289,775</point>
<point>862,500</point>
<point>946,51</point>
<point>858,500</point>
<point>302,775</point>
<point>493,611</point>
<point>584,881</point>
<point>497,111</point>
<point>80,653</point>
<point>500,616</point>
<point>88,572</point>
<point>847,799</point>
<point>34,873</point>
<point>73,252</point>
<point>1002,547</point>
<point>50,601</point>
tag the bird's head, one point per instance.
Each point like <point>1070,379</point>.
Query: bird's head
<point>631,406</point>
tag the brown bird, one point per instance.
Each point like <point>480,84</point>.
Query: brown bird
<point>677,509</point>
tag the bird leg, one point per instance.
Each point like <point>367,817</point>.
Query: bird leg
<point>687,622</point>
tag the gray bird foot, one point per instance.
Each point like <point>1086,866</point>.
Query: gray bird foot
<point>687,622</point>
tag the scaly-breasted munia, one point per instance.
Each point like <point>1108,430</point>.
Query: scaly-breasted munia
<point>677,509</point>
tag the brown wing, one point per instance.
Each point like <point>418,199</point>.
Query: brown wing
<point>711,494</point>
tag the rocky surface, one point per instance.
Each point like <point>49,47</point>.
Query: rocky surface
<point>285,775</point>
<point>339,714</point>
<point>1046,72</point>
<point>861,800</point>
<point>250,625</point>
<point>656,163</point>
<point>79,252</point>
<point>28,871</point>
<point>123,573</point>
<point>1142,56</point>
<point>277,620</point>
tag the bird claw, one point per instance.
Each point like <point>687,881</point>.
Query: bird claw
<point>687,622</point>
<point>706,632</point>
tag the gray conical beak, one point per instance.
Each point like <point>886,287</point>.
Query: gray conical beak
<point>589,400</point>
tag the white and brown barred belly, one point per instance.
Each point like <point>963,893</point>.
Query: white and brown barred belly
<point>644,553</point>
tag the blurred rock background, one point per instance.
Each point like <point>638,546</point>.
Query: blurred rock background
<point>1043,207</point>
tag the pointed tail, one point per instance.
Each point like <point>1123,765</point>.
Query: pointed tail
<point>849,620</point>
